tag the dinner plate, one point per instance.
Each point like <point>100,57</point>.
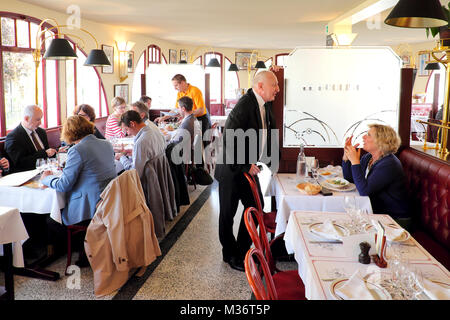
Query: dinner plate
<point>376,290</point>
<point>313,228</point>
<point>348,187</point>
<point>337,182</point>
<point>404,237</point>
<point>326,173</point>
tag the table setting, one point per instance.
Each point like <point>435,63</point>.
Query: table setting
<point>328,250</point>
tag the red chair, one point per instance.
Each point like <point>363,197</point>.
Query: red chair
<point>269,217</point>
<point>253,274</point>
<point>71,231</point>
<point>288,284</point>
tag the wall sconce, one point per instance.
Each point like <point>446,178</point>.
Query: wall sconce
<point>124,47</point>
<point>61,49</point>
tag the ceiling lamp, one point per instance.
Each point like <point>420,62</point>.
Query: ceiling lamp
<point>417,14</point>
<point>260,65</point>
<point>182,62</point>
<point>97,58</point>
<point>213,62</point>
<point>233,67</point>
<point>433,66</point>
<point>60,49</point>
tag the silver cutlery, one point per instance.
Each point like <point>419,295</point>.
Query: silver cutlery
<point>327,241</point>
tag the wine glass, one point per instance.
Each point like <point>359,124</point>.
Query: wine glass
<point>349,203</point>
<point>314,169</point>
<point>40,164</point>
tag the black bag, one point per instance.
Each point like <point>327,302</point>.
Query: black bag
<point>202,177</point>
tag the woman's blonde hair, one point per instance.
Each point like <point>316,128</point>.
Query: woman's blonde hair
<point>76,128</point>
<point>117,101</point>
<point>386,139</point>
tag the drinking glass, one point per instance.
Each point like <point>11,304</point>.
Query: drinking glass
<point>40,164</point>
<point>314,169</point>
<point>349,203</point>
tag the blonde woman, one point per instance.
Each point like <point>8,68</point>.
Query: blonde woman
<point>113,130</point>
<point>379,173</point>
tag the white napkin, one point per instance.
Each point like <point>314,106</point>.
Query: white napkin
<point>394,234</point>
<point>355,289</point>
<point>435,291</point>
<point>328,230</point>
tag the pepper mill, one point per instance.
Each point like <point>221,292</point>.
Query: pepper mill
<point>364,255</point>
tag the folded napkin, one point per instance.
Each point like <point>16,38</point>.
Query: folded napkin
<point>394,234</point>
<point>435,291</point>
<point>328,230</point>
<point>355,289</point>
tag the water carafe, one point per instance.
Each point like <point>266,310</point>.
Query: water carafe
<point>302,171</point>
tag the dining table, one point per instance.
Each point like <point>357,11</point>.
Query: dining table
<point>325,265</point>
<point>283,187</point>
<point>12,233</point>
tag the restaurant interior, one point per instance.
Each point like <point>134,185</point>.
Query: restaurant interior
<point>341,66</point>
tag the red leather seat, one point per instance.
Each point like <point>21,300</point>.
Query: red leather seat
<point>428,183</point>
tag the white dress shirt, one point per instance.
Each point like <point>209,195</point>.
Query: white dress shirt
<point>37,138</point>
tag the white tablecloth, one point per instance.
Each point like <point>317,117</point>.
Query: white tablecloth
<point>219,119</point>
<point>12,230</point>
<point>288,198</point>
<point>320,263</point>
<point>34,200</point>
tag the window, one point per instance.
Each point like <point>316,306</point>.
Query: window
<point>215,82</point>
<point>231,82</point>
<point>280,59</point>
<point>82,84</point>
<point>154,54</point>
<point>138,71</point>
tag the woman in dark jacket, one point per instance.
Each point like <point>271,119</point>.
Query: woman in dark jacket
<point>379,173</point>
<point>88,112</point>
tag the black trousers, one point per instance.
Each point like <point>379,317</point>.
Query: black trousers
<point>229,195</point>
<point>205,121</point>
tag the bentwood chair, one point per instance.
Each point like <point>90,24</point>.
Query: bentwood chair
<point>253,257</point>
<point>287,283</point>
<point>268,217</point>
<point>72,230</point>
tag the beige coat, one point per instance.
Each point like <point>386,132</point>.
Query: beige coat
<point>121,235</point>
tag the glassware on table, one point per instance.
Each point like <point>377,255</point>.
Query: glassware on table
<point>40,164</point>
<point>315,169</point>
<point>302,170</point>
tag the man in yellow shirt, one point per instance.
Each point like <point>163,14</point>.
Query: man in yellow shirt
<point>199,108</point>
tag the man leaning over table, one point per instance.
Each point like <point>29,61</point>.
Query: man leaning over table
<point>28,142</point>
<point>142,109</point>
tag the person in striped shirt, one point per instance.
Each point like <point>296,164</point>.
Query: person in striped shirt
<point>113,130</point>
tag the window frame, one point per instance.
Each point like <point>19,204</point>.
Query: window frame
<point>215,53</point>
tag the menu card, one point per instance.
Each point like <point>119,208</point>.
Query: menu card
<point>19,178</point>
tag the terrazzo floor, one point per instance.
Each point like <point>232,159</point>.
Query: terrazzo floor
<point>191,267</point>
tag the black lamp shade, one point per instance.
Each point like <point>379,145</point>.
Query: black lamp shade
<point>97,58</point>
<point>213,63</point>
<point>417,14</point>
<point>60,49</point>
<point>182,62</point>
<point>233,67</point>
<point>260,65</point>
<point>433,66</point>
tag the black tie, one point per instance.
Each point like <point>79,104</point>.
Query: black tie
<point>36,142</point>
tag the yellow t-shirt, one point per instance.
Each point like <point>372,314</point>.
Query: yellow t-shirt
<point>197,98</point>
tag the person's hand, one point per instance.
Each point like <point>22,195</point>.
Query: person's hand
<point>50,152</point>
<point>352,153</point>
<point>158,120</point>
<point>4,163</point>
<point>118,155</point>
<point>254,170</point>
<point>63,149</point>
<point>46,173</point>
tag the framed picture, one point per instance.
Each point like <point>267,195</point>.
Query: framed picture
<point>109,51</point>
<point>172,56</point>
<point>243,59</point>
<point>406,58</point>
<point>424,57</point>
<point>130,63</point>
<point>183,55</point>
<point>121,90</point>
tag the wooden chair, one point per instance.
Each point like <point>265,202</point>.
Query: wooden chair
<point>268,217</point>
<point>288,284</point>
<point>72,230</point>
<point>254,278</point>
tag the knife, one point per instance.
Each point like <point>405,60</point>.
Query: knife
<point>327,241</point>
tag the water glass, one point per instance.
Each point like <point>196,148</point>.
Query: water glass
<point>314,169</point>
<point>40,164</point>
<point>349,203</point>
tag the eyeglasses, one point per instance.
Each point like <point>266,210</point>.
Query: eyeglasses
<point>121,107</point>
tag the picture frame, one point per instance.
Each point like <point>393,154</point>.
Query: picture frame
<point>183,55</point>
<point>130,62</point>
<point>406,59</point>
<point>121,90</point>
<point>172,56</point>
<point>109,51</point>
<point>424,57</point>
<point>242,60</point>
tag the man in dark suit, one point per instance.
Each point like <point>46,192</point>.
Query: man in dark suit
<point>254,116</point>
<point>4,165</point>
<point>28,142</point>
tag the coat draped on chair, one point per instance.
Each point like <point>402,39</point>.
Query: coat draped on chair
<point>121,235</point>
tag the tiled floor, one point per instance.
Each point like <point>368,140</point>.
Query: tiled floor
<point>191,266</point>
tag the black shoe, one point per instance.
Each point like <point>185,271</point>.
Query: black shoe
<point>236,264</point>
<point>82,261</point>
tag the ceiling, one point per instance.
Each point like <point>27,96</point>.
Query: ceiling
<point>257,24</point>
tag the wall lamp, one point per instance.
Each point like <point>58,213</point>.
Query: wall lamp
<point>124,47</point>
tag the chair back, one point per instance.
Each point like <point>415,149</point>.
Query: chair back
<point>254,276</point>
<point>259,239</point>
<point>253,186</point>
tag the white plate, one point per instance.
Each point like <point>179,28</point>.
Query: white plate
<point>405,235</point>
<point>377,291</point>
<point>348,187</point>
<point>326,173</point>
<point>342,230</point>
<point>336,182</point>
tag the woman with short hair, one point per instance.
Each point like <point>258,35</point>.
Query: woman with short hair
<point>88,112</point>
<point>379,173</point>
<point>113,130</point>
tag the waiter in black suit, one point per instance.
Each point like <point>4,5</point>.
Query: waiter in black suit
<point>251,114</point>
<point>28,142</point>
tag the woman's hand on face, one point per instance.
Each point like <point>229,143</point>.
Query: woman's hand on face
<point>352,153</point>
